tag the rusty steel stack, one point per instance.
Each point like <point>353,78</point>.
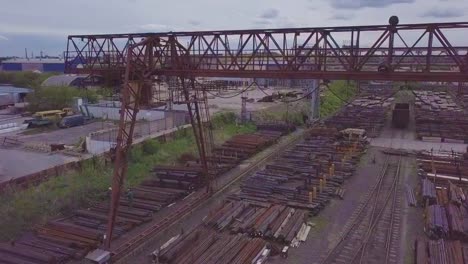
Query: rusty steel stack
<point>367,112</point>
<point>273,204</point>
<point>446,208</point>
<point>241,147</point>
<point>74,236</point>
<point>439,118</point>
<point>204,245</point>
<point>305,176</point>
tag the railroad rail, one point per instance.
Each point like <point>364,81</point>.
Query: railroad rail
<point>373,233</point>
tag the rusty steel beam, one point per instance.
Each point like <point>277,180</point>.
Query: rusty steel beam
<point>411,52</point>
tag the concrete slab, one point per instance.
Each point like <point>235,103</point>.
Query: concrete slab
<point>16,163</point>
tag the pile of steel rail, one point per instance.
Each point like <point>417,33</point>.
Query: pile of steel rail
<point>272,205</point>
<point>437,224</point>
<point>203,246</point>
<point>305,176</point>
<point>367,112</point>
<point>440,252</point>
<point>74,236</point>
<point>446,209</point>
<point>428,191</point>
<point>439,118</point>
<point>410,197</point>
<point>274,222</point>
<point>181,177</point>
<point>241,147</point>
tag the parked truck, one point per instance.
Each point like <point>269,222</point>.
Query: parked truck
<point>400,115</point>
<point>46,118</point>
<point>71,121</point>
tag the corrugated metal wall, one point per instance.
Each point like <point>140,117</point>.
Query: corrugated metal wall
<point>43,67</point>
<point>12,66</point>
<point>54,67</point>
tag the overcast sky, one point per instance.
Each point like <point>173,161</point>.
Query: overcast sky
<point>44,24</point>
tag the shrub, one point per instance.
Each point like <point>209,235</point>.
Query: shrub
<point>57,97</point>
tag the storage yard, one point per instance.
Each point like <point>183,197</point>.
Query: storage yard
<point>294,174</point>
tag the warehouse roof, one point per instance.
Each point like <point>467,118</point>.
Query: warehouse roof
<point>64,80</point>
<point>44,60</point>
<point>12,89</point>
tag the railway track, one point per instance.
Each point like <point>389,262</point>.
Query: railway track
<point>372,235</point>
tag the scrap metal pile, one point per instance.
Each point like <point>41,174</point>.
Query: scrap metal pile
<point>367,111</point>
<point>444,197</point>
<point>439,118</point>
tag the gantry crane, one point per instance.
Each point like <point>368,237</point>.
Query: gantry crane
<point>407,52</point>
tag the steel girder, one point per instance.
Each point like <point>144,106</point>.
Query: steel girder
<point>414,52</point>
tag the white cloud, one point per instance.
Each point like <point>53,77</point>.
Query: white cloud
<point>3,37</point>
<point>39,20</point>
<point>155,27</point>
<point>270,13</point>
<point>443,13</point>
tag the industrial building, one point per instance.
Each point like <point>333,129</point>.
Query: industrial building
<point>84,81</point>
<point>37,64</point>
<point>10,95</point>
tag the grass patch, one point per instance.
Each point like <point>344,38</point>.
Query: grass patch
<point>336,96</point>
<point>331,100</point>
<point>23,209</point>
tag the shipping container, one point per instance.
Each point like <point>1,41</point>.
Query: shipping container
<point>400,115</point>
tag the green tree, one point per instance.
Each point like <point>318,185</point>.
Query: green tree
<point>57,97</point>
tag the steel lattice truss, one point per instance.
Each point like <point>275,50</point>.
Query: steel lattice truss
<point>413,52</point>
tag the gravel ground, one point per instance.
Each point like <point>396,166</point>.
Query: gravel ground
<point>67,136</point>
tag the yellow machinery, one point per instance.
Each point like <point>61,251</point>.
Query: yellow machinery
<point>53,114</point>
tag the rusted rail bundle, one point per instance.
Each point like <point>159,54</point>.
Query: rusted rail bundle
<point>439,118</point>
<point>302,176</point>
<point>269,221</point>
<point>203,246</point>
<point>366,112</point>
<point>272,205</point>
<point>74,236</point>
<point>243,146</point>
<point>429,193</point>
<point>446,211</point>
<point>440,252</point>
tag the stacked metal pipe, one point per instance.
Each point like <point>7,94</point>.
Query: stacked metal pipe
<point>428,191</point>
<point>438,117</point>
<point>436,222</point>
<point>207,246</point>
<point>366,112</point>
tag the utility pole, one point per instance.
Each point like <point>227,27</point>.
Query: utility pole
<point>314,91</point>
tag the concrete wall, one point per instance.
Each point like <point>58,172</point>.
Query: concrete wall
<point>112,113</point>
